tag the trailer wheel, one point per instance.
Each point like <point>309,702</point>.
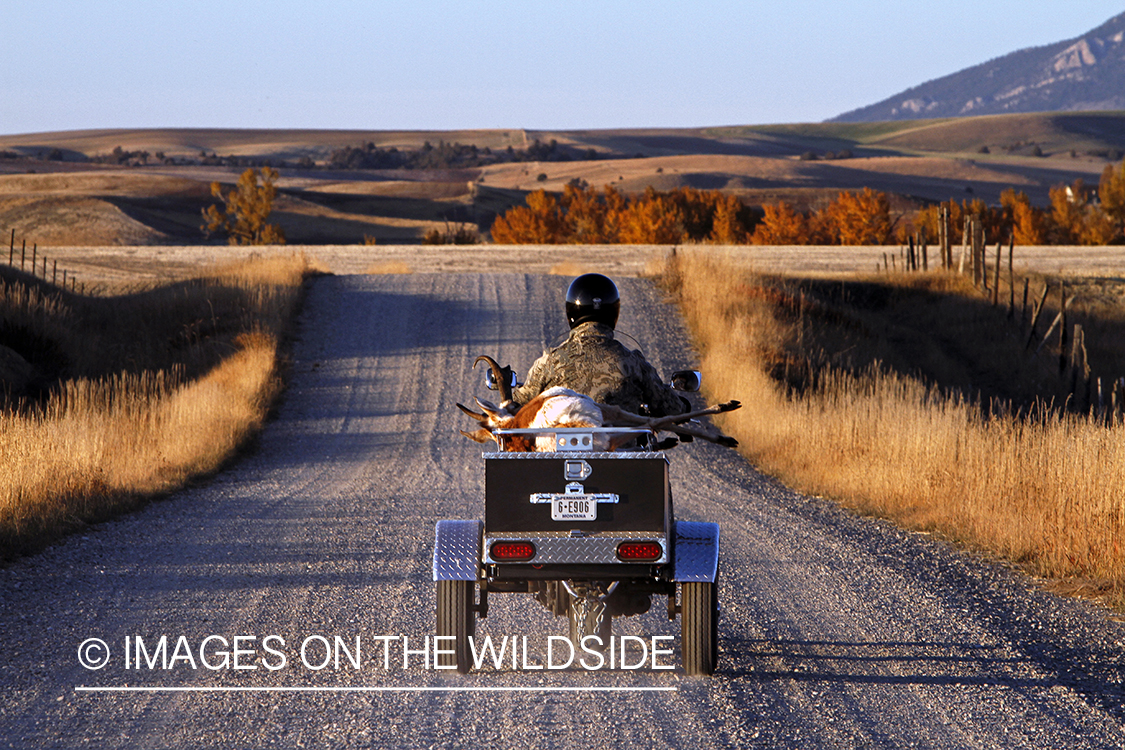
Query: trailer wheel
<point>456,618</point>
<point>699,621</point>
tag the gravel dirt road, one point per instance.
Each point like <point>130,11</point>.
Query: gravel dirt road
<point>836,631</point>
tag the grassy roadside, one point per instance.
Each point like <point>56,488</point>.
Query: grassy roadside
<point>905,439</point>
<point>136,394</point>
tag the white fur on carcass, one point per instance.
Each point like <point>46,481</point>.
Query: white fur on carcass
<point>563,407</point>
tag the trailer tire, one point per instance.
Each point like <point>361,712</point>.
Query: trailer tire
<point>456,619</point>
<point>699,642</point>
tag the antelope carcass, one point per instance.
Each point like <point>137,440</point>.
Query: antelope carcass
<point>562,407</point>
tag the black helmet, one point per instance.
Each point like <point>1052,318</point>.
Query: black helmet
<point>592,297</point>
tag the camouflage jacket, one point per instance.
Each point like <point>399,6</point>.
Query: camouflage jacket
<point>591,361</point>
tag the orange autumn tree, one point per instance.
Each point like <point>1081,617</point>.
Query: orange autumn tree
<point>862,218</point>
<point>728,226</point>
<point>538,223</point>
<point>582,215</point>
<point>1111,191</point>
<point>1068,210</point>
<point>1076,218</point>
<point>859,218</point>
<point>781,225</point>
<point>586,217</point>
<point>1029,224</point>
<point>928,221</point>
<point>655,219</point>
<point>244,210</point>
<point>997,222</point>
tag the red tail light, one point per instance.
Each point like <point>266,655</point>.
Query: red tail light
<point>639,551</point>
<point>512,551</point>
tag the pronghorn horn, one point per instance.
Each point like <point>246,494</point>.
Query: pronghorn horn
<point>494,412</point>
<point>479,417</point>
<point>616,416</point>
<point>502,374</point>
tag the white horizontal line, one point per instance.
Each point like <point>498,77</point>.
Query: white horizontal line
<point>369,689</point>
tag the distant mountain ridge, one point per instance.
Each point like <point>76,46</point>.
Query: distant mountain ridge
<point>1082,74</point>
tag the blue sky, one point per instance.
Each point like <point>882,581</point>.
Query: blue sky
<point>434,64</point>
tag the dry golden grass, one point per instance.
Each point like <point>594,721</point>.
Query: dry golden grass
<point>568,268</point>
<point>1045,490</point>
<point>158,387</point>
<point>389,267</point>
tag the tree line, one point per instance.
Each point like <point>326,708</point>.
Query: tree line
<point>451,155</point>
<point>583,215</point>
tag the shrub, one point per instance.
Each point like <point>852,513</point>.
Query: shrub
<point>242,217</point>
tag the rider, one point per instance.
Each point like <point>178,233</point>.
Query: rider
<point>591,361</point>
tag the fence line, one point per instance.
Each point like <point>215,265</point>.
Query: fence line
<point>76,286</point>
<point>1087,391</point>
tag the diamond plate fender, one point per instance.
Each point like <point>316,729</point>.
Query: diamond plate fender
<point>695,551</point>
<point>457,550</point>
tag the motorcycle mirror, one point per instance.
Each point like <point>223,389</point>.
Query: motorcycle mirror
<point>490,380</point>
<point>689,381</point>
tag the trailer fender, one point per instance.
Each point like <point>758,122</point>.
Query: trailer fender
<point>695,551</point>
<point>457,550</point>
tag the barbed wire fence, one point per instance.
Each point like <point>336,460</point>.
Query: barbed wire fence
<point>38,266</point>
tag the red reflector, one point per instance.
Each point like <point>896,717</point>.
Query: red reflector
<point>641,551</point>
<point>509,551</point>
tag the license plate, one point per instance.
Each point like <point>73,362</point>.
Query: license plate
<point>574,508</point>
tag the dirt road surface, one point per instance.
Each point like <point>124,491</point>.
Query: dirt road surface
<point>835,631</point>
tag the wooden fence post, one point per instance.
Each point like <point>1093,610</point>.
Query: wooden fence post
<point>973,250</point>
<point>1114,400</point>
<point>23,254</point>
<point>1023,307</point>
<point>12,248</point>
<point>964,245</point>
<point>949,237</point>
<point>996,277</point>
<point>1035,315</point>
<point>910,265</point>
<point>54,271</point>
<point>1050,330</point>
<point>983,256</point>
<point>977,247</point>
<point>941,233</point>
<point>1011,278</point>
<point>1062,330</point>
<point>1059,319</point>
<point>34,252</point>
<point>1079,369</point>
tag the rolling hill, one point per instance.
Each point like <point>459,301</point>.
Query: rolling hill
<point>1082,74</point>
<point>148,187</point>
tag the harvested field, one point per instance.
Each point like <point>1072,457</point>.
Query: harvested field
<point>122,264</point>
